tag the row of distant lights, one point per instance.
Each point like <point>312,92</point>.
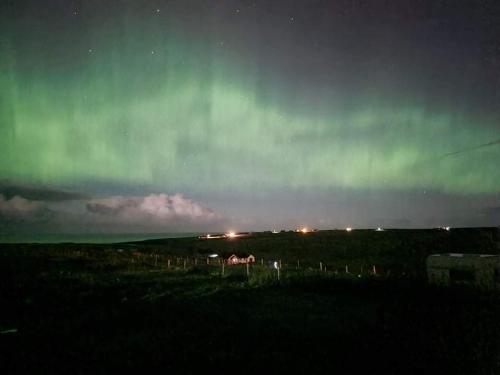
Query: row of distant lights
<point>306,230</point>
<point>349,229</point>
<point>229,235</point>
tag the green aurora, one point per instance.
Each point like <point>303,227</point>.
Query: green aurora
<point>135,103</point>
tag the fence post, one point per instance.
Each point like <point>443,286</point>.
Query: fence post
<point>156,260</point>
<point>346,268</point>
<point>168,263</point>
<point>374,270</point>
<point>321,266</point>
<point>261,261</point>
<point>248,270</point>
<point>222,268</point>
<point>278,269</point>
<point>298,263</point>
<point>184,263</point>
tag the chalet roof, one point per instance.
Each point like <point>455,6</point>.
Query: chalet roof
<point>239,255</point>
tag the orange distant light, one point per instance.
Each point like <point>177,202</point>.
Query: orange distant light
<point>304,230</point>
<point>231,234</point>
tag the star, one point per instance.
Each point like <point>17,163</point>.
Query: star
<point>90,50</point>
<point>158,10</point>
<point>291,19</point>
<point>152,52</point>
<point>237,10</point>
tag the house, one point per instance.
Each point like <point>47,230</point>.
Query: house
<point>240,259</point>
<point>479,270</point>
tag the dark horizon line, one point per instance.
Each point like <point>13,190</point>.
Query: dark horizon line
<point>196,234</point>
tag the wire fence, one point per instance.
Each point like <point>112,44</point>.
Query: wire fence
<point>160,262</point>
<point>278,266</point>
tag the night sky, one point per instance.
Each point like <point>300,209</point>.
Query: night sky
<point>142,116</point>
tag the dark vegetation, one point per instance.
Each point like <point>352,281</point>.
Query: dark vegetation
<point>73,308</point>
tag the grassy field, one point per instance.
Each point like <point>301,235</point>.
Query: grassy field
<point>104,308</point>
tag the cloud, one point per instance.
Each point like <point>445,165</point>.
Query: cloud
<point>9,191</point>
<point>19,207</point>
<point>150,213</point>
<point>18,214</point>
<point>26,207</point>
<point>153,209</point>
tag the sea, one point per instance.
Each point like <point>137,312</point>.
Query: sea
<point>97,238</point>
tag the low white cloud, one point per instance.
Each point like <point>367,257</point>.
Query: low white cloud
<point>150,213</point>
<point>18,207</point>
<point>153,209</point>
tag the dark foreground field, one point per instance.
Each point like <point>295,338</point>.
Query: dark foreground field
<point>99,309</point>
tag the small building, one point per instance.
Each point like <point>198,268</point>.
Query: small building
<point>479,270</point>
<point>240,259</point>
